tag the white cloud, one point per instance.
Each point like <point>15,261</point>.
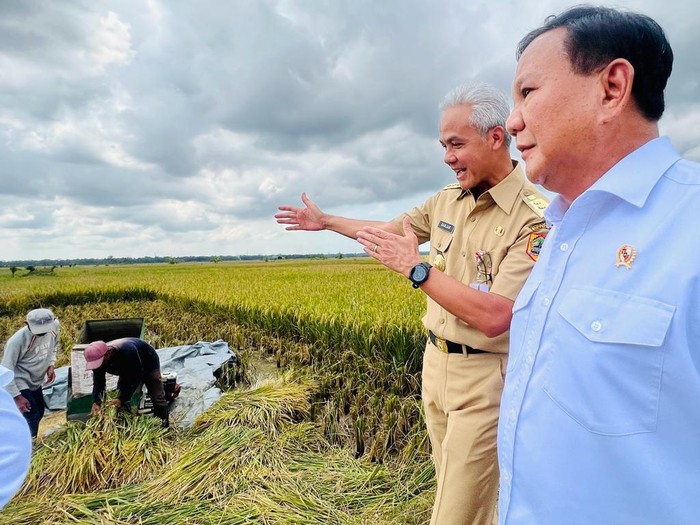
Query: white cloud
<point>134,128</point>
<point>110,44</point>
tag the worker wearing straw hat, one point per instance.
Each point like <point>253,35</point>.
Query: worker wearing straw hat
<point>135,362</point>
<point>30,354</point>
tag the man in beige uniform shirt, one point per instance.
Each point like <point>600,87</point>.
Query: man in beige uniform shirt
<point>485,232</point>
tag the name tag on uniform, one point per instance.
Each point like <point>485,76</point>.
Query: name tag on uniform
<point>446,226</point>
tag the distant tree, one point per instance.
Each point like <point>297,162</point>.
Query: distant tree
<point>30,269</point>
<point>216,259</point>
<point>13,269</point>
<point>340,255</point>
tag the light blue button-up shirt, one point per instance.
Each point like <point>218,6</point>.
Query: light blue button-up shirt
<point>15,442</point>
<point>600,416</point>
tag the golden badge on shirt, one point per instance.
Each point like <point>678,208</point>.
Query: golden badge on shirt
<point>439,262</point>
<point>626,256</point>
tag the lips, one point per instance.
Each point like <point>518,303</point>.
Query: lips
<point>524,149</point>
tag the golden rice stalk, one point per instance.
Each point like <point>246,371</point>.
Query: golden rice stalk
<point>267,406</point>
<point>38,508</point>
<point>108,451</point>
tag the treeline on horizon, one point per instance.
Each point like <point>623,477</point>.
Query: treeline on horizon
<point>166,259</point>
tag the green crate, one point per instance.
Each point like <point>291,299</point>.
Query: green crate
<point>110,329</point>
<point>78,406</point>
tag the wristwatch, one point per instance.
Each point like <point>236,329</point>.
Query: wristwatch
<point>419,274</point>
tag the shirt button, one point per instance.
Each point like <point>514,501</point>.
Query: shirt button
<point>506,476</point>
<point>528,359</point>
<point>511,415</point>
<point>442,321</point>
<point>545,301</point>
<point>596,326</point>
<point>473,219</point>
<point>464,254</point>
<point>564,246</point>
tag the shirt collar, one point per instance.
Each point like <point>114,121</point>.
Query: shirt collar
<point>506,192</point>
<point>631,179</point>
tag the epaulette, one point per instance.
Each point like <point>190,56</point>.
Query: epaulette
<point>535,202</point>
<point>453,186</point>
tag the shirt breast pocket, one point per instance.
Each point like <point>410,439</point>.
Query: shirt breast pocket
<point>440,242</point>
<point>520,322</point>
<point>607,360</point>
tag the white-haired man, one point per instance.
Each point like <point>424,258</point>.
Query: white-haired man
<point>485,231</point>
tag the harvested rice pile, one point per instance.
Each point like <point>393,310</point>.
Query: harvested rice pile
<point>253,457</point>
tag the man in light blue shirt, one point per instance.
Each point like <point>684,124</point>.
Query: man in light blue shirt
<point>15,442</point>
<point>600,416</point>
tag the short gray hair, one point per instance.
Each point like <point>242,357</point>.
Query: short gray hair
<point>489,105</point>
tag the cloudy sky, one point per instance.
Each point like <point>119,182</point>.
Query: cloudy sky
<point>150,127</point>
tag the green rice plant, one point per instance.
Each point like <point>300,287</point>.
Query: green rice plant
<point>363,345</point>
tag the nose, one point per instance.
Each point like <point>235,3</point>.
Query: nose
<point>515,123</point>
<point>450,157</point>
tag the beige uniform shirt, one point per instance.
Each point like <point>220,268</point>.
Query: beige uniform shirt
<point>506,222</point>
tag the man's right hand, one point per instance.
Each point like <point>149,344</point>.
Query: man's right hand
<point>310,218</point>
<point>96,409</point>
<point>23,404</point>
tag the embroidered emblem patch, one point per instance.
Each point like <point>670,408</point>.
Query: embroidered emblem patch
<point>534,244</point>
<point>626,256</point>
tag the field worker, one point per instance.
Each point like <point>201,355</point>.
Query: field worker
<point>485,232</point>
<point>30,354</point>
<point>600,418</point>
<point>15,442</point>
<point>135,362</point>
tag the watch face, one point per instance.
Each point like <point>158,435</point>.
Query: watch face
<point>420,272</point>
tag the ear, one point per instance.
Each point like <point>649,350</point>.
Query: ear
<point>616,80</point>
<point>496,136</point>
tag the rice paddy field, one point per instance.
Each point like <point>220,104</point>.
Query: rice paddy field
<point>334,435</point>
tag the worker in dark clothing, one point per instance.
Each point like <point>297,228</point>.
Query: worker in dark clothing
<point>135,362</point>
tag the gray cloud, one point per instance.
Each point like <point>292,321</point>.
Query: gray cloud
<point>140,127</point>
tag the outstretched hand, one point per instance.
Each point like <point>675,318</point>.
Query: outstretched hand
<point>310,218</point>
<point>397,252</point>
